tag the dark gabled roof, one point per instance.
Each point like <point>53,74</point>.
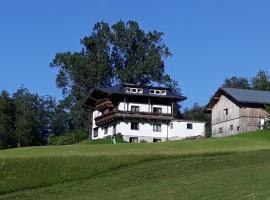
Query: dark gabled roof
<point>241,96</point>
<point>119,90</point>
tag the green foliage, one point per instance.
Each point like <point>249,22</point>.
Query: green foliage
<point>236,82</point>
<point>266,125</point>
<point>261,81</point>
<point>27,119</point>
<point>68,138</point>
<point>120,53</point>
<point>106,140</point>
<point>7,118</point>
<point>197,113</point>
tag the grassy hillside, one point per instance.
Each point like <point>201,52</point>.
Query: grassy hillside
<point>229,168</point>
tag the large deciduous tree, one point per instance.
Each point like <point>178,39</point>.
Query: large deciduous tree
<point>121,53</point>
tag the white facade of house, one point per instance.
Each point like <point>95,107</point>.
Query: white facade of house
<point>165,109</point>
<point>149,131</point>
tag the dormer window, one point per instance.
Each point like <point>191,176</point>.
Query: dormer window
<point>127,89</point>
<point>158,92</point>
<point>134,90</point>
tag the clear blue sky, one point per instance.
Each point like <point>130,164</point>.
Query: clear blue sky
<point>209,39</point>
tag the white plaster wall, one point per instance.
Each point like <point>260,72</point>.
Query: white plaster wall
<point>180,130</point>
<point>166,109</point>
<point>145,130</point>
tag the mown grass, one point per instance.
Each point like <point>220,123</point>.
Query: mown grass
<point>93,165</point>
<point>230,176</point>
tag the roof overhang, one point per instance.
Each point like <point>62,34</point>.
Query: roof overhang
<point>215,98</point>
<point>98,93</point>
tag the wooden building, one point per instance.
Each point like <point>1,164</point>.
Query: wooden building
<point>139,113</point>
<point>237,110</point>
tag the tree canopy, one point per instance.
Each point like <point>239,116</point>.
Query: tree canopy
<point>120,53</point>
<point>260,81</point>
<point>237,82</point>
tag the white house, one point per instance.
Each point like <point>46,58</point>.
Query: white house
<point>140,114</point>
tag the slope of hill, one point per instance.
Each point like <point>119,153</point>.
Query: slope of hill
<point>228,168</point>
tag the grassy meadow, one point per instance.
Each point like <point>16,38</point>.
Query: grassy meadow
<point>236,167</point>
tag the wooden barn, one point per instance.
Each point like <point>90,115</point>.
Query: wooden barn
<point>237,110</point>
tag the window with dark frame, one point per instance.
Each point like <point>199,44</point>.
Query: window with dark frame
<point>220,130</point>
<point>157,110</point>
<point>226,111</point>
<point>135,109</point>
<point>96,132</point>
<point>238,128</point>
<point>189,126</point>
<point>157,127</point>
<point>171,125</point>
<point>134,126</point>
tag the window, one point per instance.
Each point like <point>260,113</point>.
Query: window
<point>156,140</point>
<point>157,127</point>
<point>171,125</point>
<point>140,91</point>
<point>220,130</point>
<point>238,128</point>
<point>96,132</point>
<point>134,126</point>
<point>226,111</point>
<point>134,90</point>
<point>127,89</point>
<point>135,109</point>
<point>158,92</point>
<point>163,92</point>
<point>106,131</point>
<point>133,139</point>
<point>189,126</point>
<point>157,110</point>
<point>231,127</point>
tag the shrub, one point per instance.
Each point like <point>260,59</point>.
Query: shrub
<point>106,140</point>
<point>68,138</point>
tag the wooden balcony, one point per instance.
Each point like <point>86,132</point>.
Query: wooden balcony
<point>104,104</point>
<point>115,115</point>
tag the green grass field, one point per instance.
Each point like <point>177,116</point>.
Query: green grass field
<point>236,167</point>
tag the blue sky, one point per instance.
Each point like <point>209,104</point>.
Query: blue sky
<point>209,39</point>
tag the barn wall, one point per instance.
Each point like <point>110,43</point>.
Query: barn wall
<point>221,120</point>
<point>238,120</point>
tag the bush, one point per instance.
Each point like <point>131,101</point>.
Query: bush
<point>68,138</point>
<point>106,140</point>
